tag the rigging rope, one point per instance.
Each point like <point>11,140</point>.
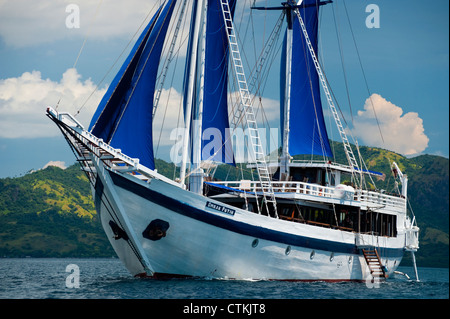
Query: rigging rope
<point>82,47</point>
<point>170,56</point>
<point>366,83</point>
<point>138,77</point>
<point>117,59</point>
<point>362,69</point>
<point>337,29</point>
<point>87,34</point>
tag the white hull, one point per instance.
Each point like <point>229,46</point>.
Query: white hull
<point>205,242</point>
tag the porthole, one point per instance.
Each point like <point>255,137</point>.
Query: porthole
<point>255,243</point>
<point>288,250</point>
<point>350,259</point>
<point>311,256</point>
<point>332,257</point>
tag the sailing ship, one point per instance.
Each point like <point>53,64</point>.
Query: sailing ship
<point>298,220</point>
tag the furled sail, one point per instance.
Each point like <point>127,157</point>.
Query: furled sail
<point>307,130</point>
<point>124,116</point>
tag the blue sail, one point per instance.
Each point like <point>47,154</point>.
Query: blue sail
<point>215,122</point>
<point>124,116</point>
<point>308,133</point>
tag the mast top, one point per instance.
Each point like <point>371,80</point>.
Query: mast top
<point>291,4</point>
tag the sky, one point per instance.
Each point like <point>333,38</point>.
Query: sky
<point>403,47</point>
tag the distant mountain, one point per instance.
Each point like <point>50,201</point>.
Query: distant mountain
<point>50,212</point>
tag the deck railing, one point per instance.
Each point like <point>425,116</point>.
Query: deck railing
<point>309,189</point>
<point>381,199</point>
<point>86,143</point>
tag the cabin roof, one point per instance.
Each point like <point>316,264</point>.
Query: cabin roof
<point>318,164</point>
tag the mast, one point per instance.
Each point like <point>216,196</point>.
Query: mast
<point>191,73</point>
<point>285,157</point>
<point>301,109</point>
<point>196,173</point>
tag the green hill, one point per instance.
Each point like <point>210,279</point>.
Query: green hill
<point>50,213</point>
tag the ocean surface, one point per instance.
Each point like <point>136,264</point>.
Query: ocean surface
<point>92,278</point>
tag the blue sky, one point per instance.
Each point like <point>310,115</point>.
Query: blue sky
<point>406,63</point>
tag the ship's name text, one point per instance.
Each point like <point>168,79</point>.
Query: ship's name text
<point>220,208</point>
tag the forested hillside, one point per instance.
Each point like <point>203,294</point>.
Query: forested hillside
<point>50,213</point>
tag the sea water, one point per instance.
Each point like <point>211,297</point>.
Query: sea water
<point>92,278</point>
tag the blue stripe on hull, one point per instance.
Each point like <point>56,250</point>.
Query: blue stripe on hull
<point>241,227</point>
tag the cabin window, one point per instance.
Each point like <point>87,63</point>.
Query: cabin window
<point>379,224</point>
<point>341,217</point>
<point>306,175</point>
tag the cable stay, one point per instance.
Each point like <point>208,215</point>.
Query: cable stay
<point>167,61</point>
<point>347,147</point>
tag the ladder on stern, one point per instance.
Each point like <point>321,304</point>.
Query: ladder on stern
<point>374,263</point>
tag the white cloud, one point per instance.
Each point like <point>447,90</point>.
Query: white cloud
<point>25,23</point>
<point>24,99</point>
<point>403,133</point>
